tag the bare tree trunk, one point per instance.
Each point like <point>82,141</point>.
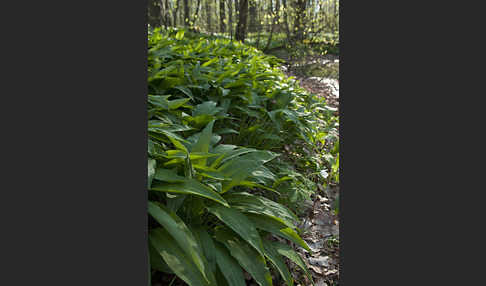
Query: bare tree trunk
<point>299,20</point>
<point>242,19</point>
<point>253,16</point>
<point>175,13</point>
<point>230,12</point>
<point>197,12</point>
<point>261,12</point>
<point>167,13</point>
<point>186,13</point>
<point>163,10</point>
<point>208,16</point>
<point>287,29</point>
<point>336,15</point>
<point>222,16</point>
<point>237,12</point>
<point>275,20</point>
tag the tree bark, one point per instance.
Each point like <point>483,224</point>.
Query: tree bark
<point>167,13</point>
<point>186,13</point>
<point>197,12</point>
<point>208,16</point>
<point>275,15</point>
<point>261,12</point>
<point>230,14</point>
<point>287,29</point>
<point>175,13</point>
<point>253,16</point>
<point>242,21</point>
<point>299,20</point>
<point>163,9</point>
<point>222,16</point>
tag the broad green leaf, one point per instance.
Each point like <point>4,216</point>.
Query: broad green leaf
<point>181,233</point>
<point>253,262</point>
<point>283,179</point>
<point>174,162</point>
<point>216,186</point>
<point>171,154</point>
<point>178,144</point>
<point>230,154</point>
<point>213,175</point>
<point>203,168</point>
<point>256,185</point>
<point>174,104</point>
<point>201,120</point>
<point>176,258</point>
<point>189,187</point>
<point>186,91</point>
<point>223,148</point>
<point>248,155</point>
<point>167,133</point>
<point>264,173</point>
<point>239,223</point>
<point>229,267</point>
<point>274,226</point>
<point>212,61</point>
<point>288,252</point>
<point>174,202</point>
<point>207,243</point>
<point>200,155</point>
<point>159,101</point>
<point>238,170</point>
<point>154,148</point>
<point>260,205</point>
<point>202,144</point>
<point>206,108</point>
<point>180,35</point>
<point>261,156</point>
<point>277,260</point>
<point>167,175</point>
<point>156,261</point>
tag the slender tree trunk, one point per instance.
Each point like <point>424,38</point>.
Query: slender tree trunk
<point>230,14</point>
<point>242,19</point>
<point>336,15</point>
<point>299,19</point>
<point>167,13</point>
<point>175,13</point>
<point>222,16</point>
<point>208,16</point>
<point>163,10</point>
<point>275,16</point>
<point>237,12</point>
<point>261,12</point>
<point>197,12</point>
<point>253,16</point>
<point>186,13</point>
<point>287,29</point>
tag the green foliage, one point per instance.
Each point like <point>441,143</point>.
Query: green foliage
<point>220,181</point>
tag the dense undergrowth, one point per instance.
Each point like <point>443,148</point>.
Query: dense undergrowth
<point>304,58</point>
<point>324,43</point>
<point>234,148</point>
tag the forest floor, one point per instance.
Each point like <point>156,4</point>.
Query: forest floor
<point>320,225</point>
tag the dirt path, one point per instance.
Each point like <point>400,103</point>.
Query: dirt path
<point>328,87</point>
<point>321,225</point>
